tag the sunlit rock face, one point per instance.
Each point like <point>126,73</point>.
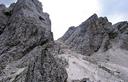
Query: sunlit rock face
<point>25,40</point>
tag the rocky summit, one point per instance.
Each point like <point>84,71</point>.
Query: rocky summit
<point>87,38</point>
<point>94,51</point>
<point>25,40</point>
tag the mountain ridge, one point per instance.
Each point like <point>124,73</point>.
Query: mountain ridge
<point>94,51</point>
<point>93,28</point>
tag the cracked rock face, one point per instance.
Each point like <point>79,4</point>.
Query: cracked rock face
<point>3,18</point>
<point>25,39</point>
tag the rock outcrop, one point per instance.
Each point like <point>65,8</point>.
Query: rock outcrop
<point>88,36</point>
<point>25,40</point>
<point>95,34</point>
<point>3,18</point>
<point>96,51</point>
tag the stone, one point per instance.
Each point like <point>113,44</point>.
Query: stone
<point>96,51</point>
<point>25,40</point>
<point>88,36</point>
<point>3,18</point>
<point>96,34</point>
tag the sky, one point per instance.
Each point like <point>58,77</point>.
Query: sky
<point>66,13</point>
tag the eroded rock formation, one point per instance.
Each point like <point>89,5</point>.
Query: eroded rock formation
<point>25,39</point>
<point>94,34</point>
<point>96,51</point>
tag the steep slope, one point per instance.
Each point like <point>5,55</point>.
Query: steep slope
<point>94,34</point>
<point>96,51</point>
<point>85,69</point>
<point>25,39</point>
<point>88,36</point>
<point>3,18</point>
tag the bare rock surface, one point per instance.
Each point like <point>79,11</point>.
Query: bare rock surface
<point>96,51</point>
<point>94,34</point>
<point>88,36</point>
<point>109,66</point>
<point>25,40</point>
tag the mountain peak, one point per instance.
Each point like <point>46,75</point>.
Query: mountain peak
<point>29,5</point>
<point>94,19</point>
<point>83,35</point>
<point>94,16</point>
<point>25,37</point>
